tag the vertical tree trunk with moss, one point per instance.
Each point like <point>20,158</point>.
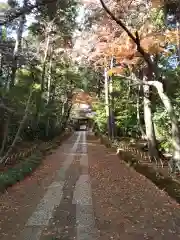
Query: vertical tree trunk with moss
<point>143,135</point>
<point>175,162</point>
<point>150,133</point>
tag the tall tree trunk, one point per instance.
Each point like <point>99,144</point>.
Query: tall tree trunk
<point>111,112</point>
<point>66,110</point>
<point>5,131</point>
<point>40,99</point>
<point>106,88</point>
<point>3,159</point>
<point>17,47</point>
<point>49,80</point>
<point>175,162</point>
<point>48,93</point>
<point>178,41</point>
<point>150,133</point>
<point>8,80</point>
<point>99,88</point>
<point>143,135</point>
<point>44,64</point>
<point>111,106</point>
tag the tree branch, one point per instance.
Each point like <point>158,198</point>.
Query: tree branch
<point>158,85</point>
<point>136,40</point>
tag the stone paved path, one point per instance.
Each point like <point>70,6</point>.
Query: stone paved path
<point>83,191</point>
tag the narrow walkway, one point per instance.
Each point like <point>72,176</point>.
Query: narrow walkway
<point>84,192</point>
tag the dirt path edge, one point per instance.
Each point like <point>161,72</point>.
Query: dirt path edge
<point>25,168</point>
<point>166,183</point>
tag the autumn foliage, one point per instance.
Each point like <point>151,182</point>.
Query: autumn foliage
<point>111,40</point>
